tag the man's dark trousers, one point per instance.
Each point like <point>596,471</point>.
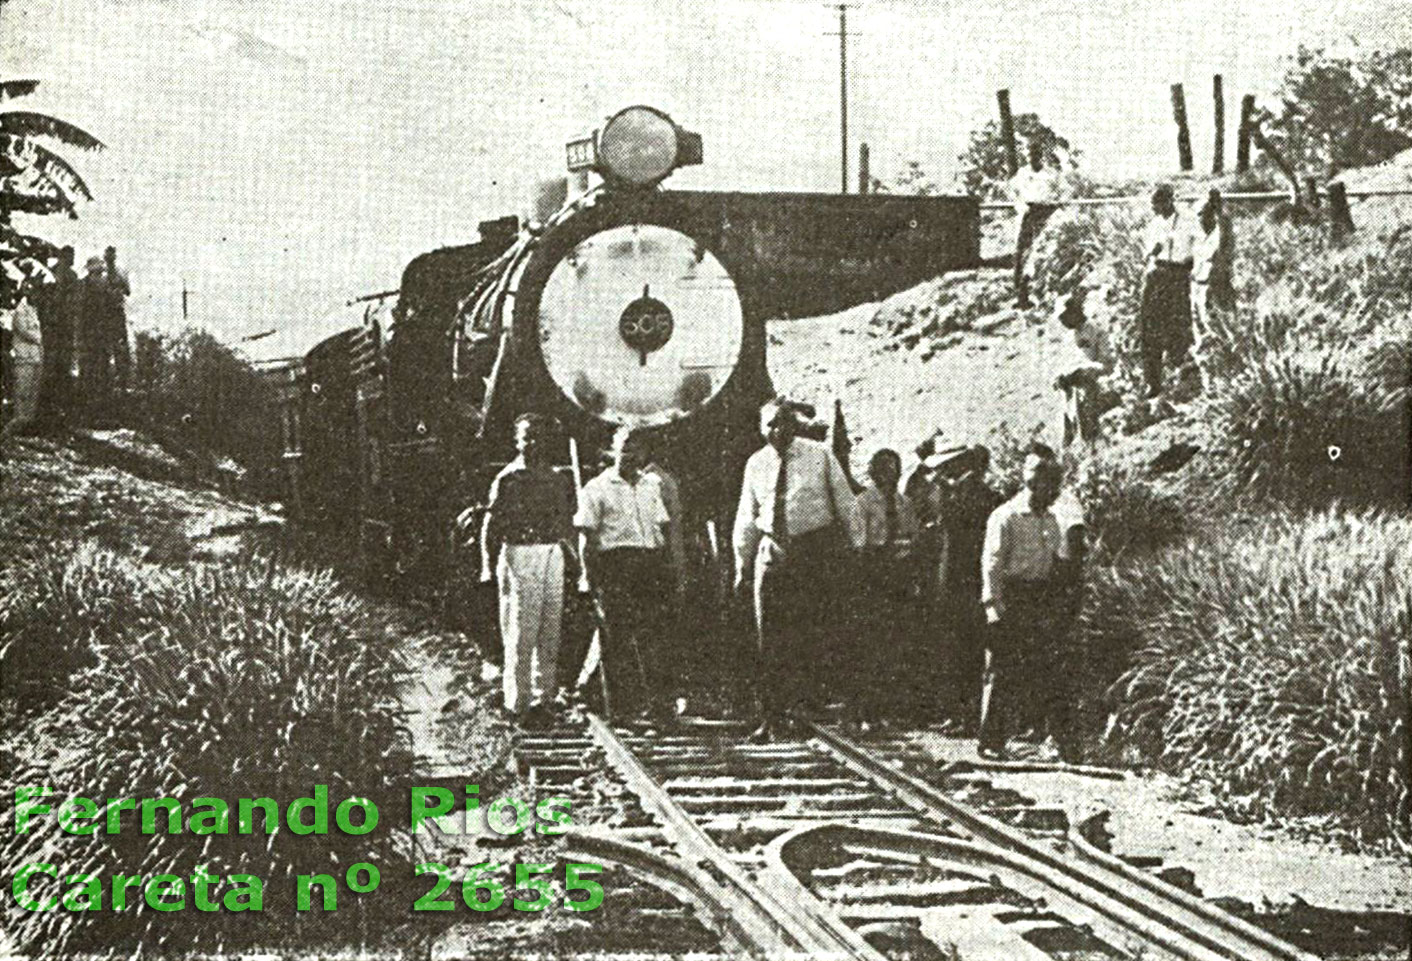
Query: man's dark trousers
<point>1032,221</point>
<point>1026,674</point>
<point>794,604</point>
<point>635,590</point>
<point>1164,321</point>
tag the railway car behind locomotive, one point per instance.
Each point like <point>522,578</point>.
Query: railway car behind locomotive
<point>632,304</point>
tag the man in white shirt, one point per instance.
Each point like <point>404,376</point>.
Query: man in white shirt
<point>1028,574</point>
<point>796,513</point>
<point>1164,318</point>
<point>884,651</point>
<point>1035,190</point>
<point>623,529</point>
<point>1080,377</point>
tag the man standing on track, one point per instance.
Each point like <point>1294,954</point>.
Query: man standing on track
<point>527,543</point>
<point>1027,592</point>
<point>794,527</point>
<point>623,529</point>
<point>1164,318</point>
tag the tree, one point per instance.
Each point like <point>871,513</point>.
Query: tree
<point>34,180</point>
<point>983,165</point>
<point>1338,112</point>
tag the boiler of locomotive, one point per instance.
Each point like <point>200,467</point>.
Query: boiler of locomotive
<point>640,324</point>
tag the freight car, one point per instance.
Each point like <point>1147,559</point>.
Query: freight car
<point>632,304</point>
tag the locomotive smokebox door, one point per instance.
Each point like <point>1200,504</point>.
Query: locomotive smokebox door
<point>646,324</point>
<point>637,323</point>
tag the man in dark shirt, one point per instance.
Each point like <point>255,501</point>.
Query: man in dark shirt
<point>527,543</point>
<point>969,504</point>
<point>57,332</point>
<point>104,354</point>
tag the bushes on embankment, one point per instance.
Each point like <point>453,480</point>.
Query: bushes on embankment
<point>1255,606</point>
<point>1272,658</point>
<point>232,680</point>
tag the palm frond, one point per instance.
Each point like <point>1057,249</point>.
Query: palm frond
<point>10,89</point>
<point>24,153</point>
<point>25,123</point>
<point>30,200</point>
<point>57,169</point>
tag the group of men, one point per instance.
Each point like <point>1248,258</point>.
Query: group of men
<point>860,598</point>
<point>618,538</point>
<point>82,338</point>
<point>1188,292</point>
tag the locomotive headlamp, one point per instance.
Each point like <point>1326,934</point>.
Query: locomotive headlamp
<point>638,146</point>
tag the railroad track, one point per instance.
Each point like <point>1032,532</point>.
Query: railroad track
<point>829,847</point>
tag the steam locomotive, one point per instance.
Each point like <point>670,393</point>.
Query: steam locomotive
<point>632,304</point>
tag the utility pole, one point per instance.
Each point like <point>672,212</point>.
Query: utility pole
<point>843,91</point>
<point>184,295</point>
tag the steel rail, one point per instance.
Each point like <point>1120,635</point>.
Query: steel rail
<point>713,903</point>
<point>1165,889</point>
<point>1208,926</point>
<point>778,925</point>
<point>1117,924</point>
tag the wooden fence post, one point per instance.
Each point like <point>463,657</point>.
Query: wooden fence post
<point>1247,117</point>
<point>1183,134</point>
<point>1218,96</point>
<point>1340,217</point>
<point>1007,132</point>
<point>865,180</point>
<point>1274,154</point>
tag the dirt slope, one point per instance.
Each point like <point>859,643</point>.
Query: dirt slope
<point>951,353</point>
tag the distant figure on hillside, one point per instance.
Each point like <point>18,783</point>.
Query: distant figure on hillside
<point>1081,376</point>
<point>105,359</point>
<point>117,277</point>
<point>1164,318</point>
<point>1036,192</point>
<point>1213,297</point>
<point>22,355</point>
<point>58,307</point>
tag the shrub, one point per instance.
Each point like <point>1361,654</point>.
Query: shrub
<point>1313,425</point>
<point>225,681</point>
<point>1272,660</point>
<point>196,392</point>
<point>1103,243</point>
<point>1125,514</point>
<point>52,612</point>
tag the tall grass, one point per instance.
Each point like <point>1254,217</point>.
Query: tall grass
<point>226,681</point>
<point>1313,425</point>
<point>1274,661</point>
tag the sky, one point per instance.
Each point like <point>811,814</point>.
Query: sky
<point>279,159</point>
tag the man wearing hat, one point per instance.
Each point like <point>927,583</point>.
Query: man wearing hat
<point>104,356</point>
<point>794,526</point>
<point>1080,378</point>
